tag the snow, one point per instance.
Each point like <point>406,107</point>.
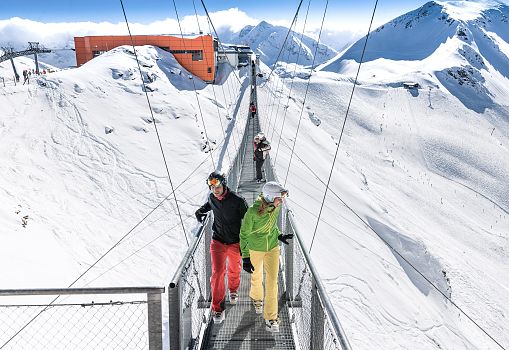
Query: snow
<point>426,169</point>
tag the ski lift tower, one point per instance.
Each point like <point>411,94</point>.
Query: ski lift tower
<point>33,49</point>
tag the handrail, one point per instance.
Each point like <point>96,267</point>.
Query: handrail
<point>186,259</point>
<point>74,291</point>
<point>321,290</point>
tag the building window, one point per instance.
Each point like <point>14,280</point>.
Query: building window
<point>97,53</point>
<point>209,70</point>
<point>197,55</point>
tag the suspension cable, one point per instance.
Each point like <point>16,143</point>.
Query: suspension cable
<point>286,38</point>
<point>207,142</point>
<point>292,78</point>
<point>368,226</point>
<point>213,90</point>
<point>227,81</point>
<point>291,86</point>
<point>273,114</point>
<point>343,127</point>
<point>307,89</point>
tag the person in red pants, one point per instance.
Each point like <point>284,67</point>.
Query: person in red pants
<point>229,209</point>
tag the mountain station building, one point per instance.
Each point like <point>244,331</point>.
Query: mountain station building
<point>197,53</point>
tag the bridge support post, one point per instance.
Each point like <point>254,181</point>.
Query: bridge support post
<point>288,259</point>
<point>208,261</point>
<point>155,325</point>
<point>317,320</point>
<point>174,321</point>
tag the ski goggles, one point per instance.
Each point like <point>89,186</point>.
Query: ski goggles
<point>214,182</point>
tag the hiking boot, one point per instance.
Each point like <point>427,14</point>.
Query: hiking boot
<point>258,306</point>
<point>272,326</point>
<point>217,316</point>
<point>234,298</point>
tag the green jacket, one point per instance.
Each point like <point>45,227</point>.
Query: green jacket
<point>259,232</point>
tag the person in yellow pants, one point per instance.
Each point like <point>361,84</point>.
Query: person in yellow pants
<point>259,246</point>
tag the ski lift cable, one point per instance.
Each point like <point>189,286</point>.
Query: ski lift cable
<point>291,86</point>
<point>207,140</point>
<point>286,38</point>
<point>307,89</point>
<point>213,89</point>
<point>368,226</point>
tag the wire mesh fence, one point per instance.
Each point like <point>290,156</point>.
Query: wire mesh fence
<point>82,324</point>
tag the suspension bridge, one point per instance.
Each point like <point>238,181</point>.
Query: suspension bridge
<point>178,316</point>
<point>308,321</point>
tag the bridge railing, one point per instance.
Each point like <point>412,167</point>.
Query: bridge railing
<point>189,291</point>
<point>87,319</point>
<point>314,319</point>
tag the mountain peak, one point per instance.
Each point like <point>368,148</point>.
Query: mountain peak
<point>264,25</point>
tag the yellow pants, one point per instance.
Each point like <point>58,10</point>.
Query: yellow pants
<point>268,261</point>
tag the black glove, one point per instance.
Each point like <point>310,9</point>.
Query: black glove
<point>247,266</point>
<point>283,238</point>
<point>201,217</point>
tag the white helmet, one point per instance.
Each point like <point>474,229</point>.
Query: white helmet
<point>273,189</point>
<point>260,136</point>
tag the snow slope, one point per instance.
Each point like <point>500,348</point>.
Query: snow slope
<point>460,46</point>
<point>425,168</point>
<point>83,187</point>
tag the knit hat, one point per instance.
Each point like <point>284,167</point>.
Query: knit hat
<point>273,189</point>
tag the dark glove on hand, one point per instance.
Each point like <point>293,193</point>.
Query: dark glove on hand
<point>283,238</point>
<point>201,217</point>
<point>247,266</point>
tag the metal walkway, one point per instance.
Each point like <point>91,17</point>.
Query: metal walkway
<point>242,327</point>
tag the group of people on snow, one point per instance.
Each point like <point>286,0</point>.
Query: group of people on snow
<point>248,237</point>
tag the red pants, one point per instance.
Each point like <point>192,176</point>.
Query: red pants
<point>219,252</point>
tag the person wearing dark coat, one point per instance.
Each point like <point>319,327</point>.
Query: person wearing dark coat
<point>261,149</point>
<point>252,109</point>
<point>229,209</point>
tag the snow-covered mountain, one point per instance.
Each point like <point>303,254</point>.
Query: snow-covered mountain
<point>462,46</point>
<point>266,40</point>
<point>425,168</point>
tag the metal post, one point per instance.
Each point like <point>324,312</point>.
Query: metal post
<point>155,319</point>
<point>16,75</point>
<point>208,262</point>
<point>36,63</point>
<point>174,317</point>
<point>317,320</point>
<point>289,261</point>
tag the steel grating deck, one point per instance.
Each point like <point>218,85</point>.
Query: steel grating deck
<point>242,327</point>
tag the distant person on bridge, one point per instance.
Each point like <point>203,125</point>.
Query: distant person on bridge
<point>261,149</point>
<point>229,209</point>
<point>252,109</point>
<point>259,246</point>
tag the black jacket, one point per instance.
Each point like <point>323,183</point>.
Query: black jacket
<point>259,148</point>
<point>228,215</point>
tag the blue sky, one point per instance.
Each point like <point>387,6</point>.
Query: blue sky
<point>146,11</point>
